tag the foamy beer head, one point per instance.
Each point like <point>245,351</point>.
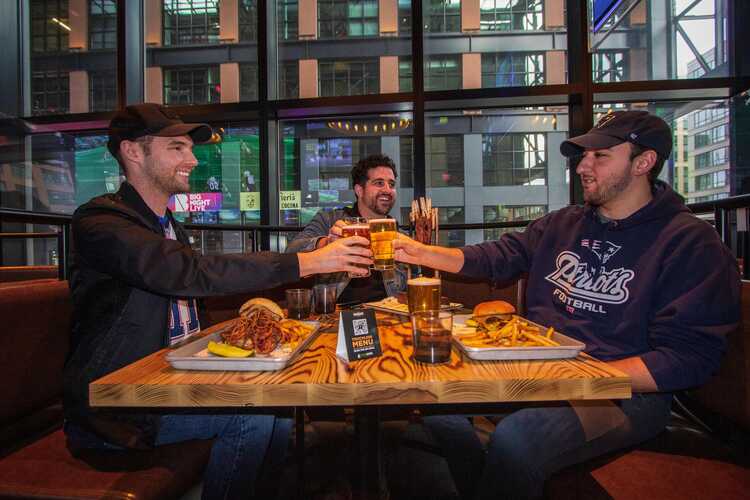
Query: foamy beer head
<point>423,294</point>
<point>382,234</point>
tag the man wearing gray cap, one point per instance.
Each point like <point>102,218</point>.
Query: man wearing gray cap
<point>135,280</point>
<point>647,286</point>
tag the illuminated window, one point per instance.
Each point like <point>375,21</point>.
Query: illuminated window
<point>102,24</point>
<point>248,82</point>
<point>49,25</point>
<point>190,22</point>
<point>358,77</point>
<point>610,66</point>
<point>347,18</point>
<point>102,90</point>
<point>444,157</point>
<point>405,74</point>
<point>502,15</point>
<point>512,69</point>
<point>288,19</point>
<point>191,85</point>
<point>442,72</point>
<point>248,20</point>
<point>50,92</point>
<point>443,16</point>
<point>514,159</point>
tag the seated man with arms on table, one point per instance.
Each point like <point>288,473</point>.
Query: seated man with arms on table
<point>374,181</point>
<point>647,286</point>
<point>134,281</point>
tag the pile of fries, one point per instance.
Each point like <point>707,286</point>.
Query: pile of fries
<point>516,332</point>
<point>293,332</point>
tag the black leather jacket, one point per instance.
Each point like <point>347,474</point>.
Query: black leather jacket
<point>123,275</point>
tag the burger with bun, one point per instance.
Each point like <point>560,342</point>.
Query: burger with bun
<point>494,308</point>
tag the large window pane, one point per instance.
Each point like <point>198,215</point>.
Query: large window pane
<point>708,157</point>
<point>187,55</point>
<point>72,57</point>
<point>333,48</point>
<point>497,164</point>
<point>497,43</point>
<point>663,40</point>
<point>316,158</point>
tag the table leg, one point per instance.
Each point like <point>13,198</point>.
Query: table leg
<point>370,480</point>
<point>299,449</point>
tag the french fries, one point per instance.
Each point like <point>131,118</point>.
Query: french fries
<point>516,332</point>
<point>293,332</point>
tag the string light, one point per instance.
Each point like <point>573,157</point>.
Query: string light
<point>369,126</point>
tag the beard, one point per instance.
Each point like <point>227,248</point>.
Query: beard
<point>609,190</point>
<point>379,207</point>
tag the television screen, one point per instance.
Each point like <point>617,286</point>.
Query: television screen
<point>603,9</point>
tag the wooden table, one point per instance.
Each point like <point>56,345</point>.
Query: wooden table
<point>319,378</point>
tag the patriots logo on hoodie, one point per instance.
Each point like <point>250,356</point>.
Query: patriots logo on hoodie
<point>603,250</point>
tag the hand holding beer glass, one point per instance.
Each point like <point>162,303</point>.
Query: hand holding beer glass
<point>357,226</point>
<point>382,235</point>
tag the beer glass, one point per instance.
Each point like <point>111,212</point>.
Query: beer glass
<point>432,336</point>
<point>382,235</point>
<point>423,294</point>
<point>357,226</point>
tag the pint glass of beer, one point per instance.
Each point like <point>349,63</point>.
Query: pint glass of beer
<point>382,235</point>
<point>423,294</point>
<point>357,226</point>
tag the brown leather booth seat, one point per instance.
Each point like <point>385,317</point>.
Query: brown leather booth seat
<point>703,453</point>
<point>34,459</point>
<point>25,273</point>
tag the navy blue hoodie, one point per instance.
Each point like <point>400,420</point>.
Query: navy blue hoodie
<point>659,285</point>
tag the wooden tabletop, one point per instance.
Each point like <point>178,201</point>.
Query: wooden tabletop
<point>319,378</point>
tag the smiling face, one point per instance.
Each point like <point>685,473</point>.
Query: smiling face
<point>606,174</point>
<point>168,162</point>
<point>377,197</point>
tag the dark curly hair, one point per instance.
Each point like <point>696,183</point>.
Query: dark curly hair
<point>359,172</point>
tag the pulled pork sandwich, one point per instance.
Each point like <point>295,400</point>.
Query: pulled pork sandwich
<point>259,326</point>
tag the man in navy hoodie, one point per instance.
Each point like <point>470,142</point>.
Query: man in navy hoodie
<point>648,287</point>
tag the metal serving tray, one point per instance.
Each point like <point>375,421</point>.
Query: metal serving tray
<point>195,355</point>
<point>391,305</point>
<point>568,348</point>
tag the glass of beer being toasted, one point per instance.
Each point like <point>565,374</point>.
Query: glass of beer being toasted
<point>357,226</point>
<point>423,294</point>
<point>382,235</point>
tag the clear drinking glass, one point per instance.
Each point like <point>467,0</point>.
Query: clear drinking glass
<point>298,302</point>
<point>432,336</point>
<point>357,226</point>
<point>382,235</point>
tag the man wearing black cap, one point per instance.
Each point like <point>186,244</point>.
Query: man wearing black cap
<point>647,286</point>
<point>134,281</point>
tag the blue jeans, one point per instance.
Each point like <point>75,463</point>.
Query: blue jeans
<point>530,444</point>
<point>244,446</point>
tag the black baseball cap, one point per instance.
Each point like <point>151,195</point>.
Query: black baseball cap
<point>140,120</point>
<point>637,127</point>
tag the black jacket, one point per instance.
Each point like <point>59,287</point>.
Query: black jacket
<point>123,274</point>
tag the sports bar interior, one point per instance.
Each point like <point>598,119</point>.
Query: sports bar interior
<point>471,100</point>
